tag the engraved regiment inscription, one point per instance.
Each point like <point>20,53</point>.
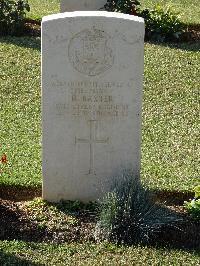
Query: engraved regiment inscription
<point>91,141</point>
<point>90,52</point>
<point>92,100</point>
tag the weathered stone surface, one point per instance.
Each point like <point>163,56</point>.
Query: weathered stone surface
<point>81,5</point>
<point>92,72</point>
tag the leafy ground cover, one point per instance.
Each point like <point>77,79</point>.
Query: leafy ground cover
<point>170,148</point>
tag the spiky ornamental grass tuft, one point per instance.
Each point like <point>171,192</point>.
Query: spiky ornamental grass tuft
<point>128,214</point>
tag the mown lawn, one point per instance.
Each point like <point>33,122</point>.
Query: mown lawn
<point>20,97</point>
<point>170,149</point>
<point>23,253</point>
<point>42,8</point>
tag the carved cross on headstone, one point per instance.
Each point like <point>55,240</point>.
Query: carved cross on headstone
<point>92,140</point>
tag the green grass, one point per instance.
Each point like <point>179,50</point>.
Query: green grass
<point>170,148</point>
<point>188,9</point>
<point>43,8</point>
<point>20,97</point>
<point>22,253</point>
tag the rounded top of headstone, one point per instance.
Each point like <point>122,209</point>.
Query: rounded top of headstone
<point>92,14</point>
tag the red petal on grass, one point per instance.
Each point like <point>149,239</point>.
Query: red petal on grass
<point>4,158</point>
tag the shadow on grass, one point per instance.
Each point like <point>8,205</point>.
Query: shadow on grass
<point>9,259</point>
<point>186,46</point>
<point>171,197</point>
<point>184,236</point>
<point>26,42</point>
<point>19,193</point>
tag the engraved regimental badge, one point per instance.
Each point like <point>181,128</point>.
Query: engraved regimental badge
<point>90,52</point>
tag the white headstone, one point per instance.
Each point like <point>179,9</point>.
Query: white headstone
<point>81,5</point>
<point>92,73</point>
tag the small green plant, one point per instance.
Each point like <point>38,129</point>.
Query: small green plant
<point>162,23</point>
<point>122,6</point>
<point>129,215</point>
<point>12,16</point>
<point>197,192</point>
<point>193,206</point>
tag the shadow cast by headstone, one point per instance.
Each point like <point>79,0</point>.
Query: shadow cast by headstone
<point>10,259</point>
<point>186,46</point>
<point>19,193</point>
<point>25,41</point>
